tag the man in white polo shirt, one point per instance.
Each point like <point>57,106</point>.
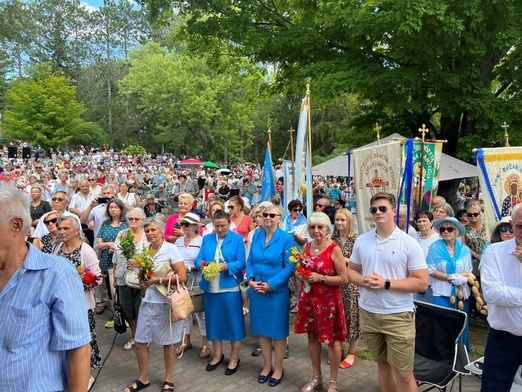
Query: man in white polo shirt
<point>388,265</point>
<point>501,278</point>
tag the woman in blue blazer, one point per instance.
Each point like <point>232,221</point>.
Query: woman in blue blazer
<point>268,272</point>
<point>223,309</point>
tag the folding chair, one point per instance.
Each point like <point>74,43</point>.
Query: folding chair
<point>439,358</point>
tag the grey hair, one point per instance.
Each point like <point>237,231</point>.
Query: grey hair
<point>320,218</point>
<point>111,187</point>
<point>160,224</point>
<point>139,211</point>
<point>76,224</point>
<point>66,195</point>
<point>186,196</point>
<point>447,208</point>
<point>13,204</point>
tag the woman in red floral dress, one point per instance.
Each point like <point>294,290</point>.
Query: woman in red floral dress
<point>320,311</point>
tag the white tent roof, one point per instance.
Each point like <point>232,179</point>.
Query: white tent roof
<point>450,167</point>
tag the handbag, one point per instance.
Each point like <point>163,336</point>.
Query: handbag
<point>132,280</point>
<point>179,301</point>
<point>118,317</point>
<point>245,289</point>
<point>197,297</point>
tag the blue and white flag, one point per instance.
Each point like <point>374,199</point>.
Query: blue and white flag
<point>268,184</point>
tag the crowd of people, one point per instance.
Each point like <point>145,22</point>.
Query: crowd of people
<point>87,207</point>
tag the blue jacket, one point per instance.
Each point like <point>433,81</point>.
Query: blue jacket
<point>271,263</point>
<point>233,250</point>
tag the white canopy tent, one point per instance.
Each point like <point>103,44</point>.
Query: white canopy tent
<point>450,167</point>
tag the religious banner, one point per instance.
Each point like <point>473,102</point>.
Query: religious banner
<point>377,169</point>
<point>500,179</point>
<point>426,169</point>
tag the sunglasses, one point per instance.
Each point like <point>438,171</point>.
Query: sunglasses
<point>217,211</point>
<point>48,222</point>
<point>270,214</point>
<point>184,224</point>
<point>231,207</point>
<point>259,187</point>
<point>297,210</point>
<point>313,227</point>
<point>133,219</point>
<point>373,210</point>
<point>506,229</point>
<point>447,229</point>
<point>38,167</point>
<point>92,179</point>
<point>57,199</point>
<point>320,205</point>
<point>473,214</point>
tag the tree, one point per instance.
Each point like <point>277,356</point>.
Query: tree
<point>194,109</point>
<point>42,109</point>
<point>451,64</point>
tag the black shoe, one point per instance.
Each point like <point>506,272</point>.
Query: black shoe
<point>264,378</point>
<point>229,372</point>
<point>213,367</point>
<point>275,381</point>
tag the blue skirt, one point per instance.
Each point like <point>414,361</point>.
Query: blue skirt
<point>269,314</point>
<point>224,316</point>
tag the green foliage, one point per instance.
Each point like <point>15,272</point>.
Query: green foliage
<point>453,65</point>
<point>42,109</point>
<point>135,149</point>
<point>197,110</point>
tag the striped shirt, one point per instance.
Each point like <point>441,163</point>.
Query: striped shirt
<point>43,316</point>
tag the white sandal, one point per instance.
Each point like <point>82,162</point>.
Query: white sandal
<point>130,344</point>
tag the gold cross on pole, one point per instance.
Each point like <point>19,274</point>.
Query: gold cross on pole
<point>424,131</point>
<point>269,137</point>
<point>506,136</point>
<point>377,129</point>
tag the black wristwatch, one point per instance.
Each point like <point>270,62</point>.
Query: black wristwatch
<point>387,285</point>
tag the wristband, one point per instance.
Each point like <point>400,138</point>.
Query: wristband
<point>161,281</point>
<point>323,279</point>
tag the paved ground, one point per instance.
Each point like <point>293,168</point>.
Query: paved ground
<point>120,368</point>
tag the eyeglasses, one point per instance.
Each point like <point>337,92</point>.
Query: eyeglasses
<point>318,227</point>
<point>60,199</point>
<point>184,224</point>
<point>297,210</point>
<point>320,206</point>
<point>270,214</point>
<point>447,229</point>
<point>48,222</point>
<point>505,229</point>
<point>133,219</point>
<point>473,214</point>
<point>373,210</point>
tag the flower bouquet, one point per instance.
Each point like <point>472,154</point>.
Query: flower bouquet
<point>304,266</point>
<point>89,280</point>
<point>210,270</point>
<point>145,266</point>
<point>127,245</point>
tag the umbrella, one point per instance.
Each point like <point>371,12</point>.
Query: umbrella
<point>223,172</point>
<point>191,162</point>
<point>211,165</point>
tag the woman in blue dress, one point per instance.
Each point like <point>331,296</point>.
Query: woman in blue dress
<point>223,308</point>
<point>268,271</point>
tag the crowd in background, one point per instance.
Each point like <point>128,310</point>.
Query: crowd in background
<point>82,204</point>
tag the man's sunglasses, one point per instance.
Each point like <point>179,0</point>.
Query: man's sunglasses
<point>373,210</point>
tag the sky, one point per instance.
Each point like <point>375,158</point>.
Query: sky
<point>93,3</point>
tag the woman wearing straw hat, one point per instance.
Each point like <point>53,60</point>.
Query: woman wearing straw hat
<point>447,260</point>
